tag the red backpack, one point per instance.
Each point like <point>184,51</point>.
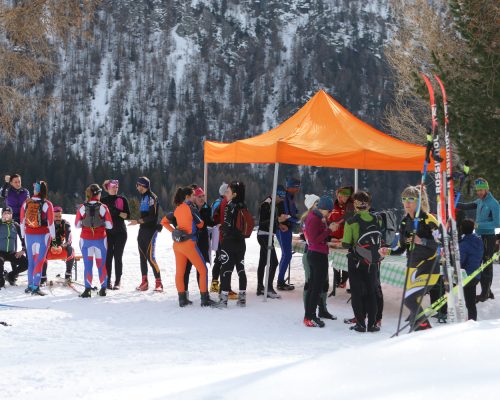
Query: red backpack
<point>245,222</point>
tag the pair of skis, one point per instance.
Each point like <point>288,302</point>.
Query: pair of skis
<point>445,200</point>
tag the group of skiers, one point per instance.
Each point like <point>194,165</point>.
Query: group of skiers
<point>347,221</point>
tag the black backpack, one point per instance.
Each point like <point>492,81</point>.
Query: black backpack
<point>92,217</point>
<point>370,239</point>
<point>390,225</point>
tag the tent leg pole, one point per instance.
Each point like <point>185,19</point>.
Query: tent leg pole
<point>356,180</point>
<point>271,229</point>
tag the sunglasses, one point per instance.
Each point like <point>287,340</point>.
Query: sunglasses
<point>408,199</point>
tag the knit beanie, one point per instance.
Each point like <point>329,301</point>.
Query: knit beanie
<point>143,181</point>
<point>223,188</point>
<point>309,200</point>
<point>481,184</point>
<point>199,192</point>
<point>325,203</point>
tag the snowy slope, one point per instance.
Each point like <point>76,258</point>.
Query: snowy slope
<point>142,345</point>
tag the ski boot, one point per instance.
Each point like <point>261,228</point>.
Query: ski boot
<point>102,292</point>
<point>242,299</point>
<point>358,328</point>
<point>323,313</point>
<point>158,285</point>
<point>314,322</point>
<point>222,301</point>
<point>183,300</point>
<point>285,286</point>
<point>232,295</point>
<point>37,292</point>
<point>28,290</point>
<point>43,281</point>
<point>260,291</point>
<point>422,326</point>
<point>271,294</point>
<point>11,278</point>
<point>144,284</point>
<point>373,328</point>
<point>86,293</point>
<point>206,301</point>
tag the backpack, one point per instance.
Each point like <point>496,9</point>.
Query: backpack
<point>34,216</point>
<point>370,239</point>
<point>244,222</point>
<point>389,225</point>
<point>92,217</point>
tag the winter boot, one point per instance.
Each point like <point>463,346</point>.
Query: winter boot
<point>28,290</point>
<point>117,285</point>
<point>232,295</point>
<point>108,285</point>
<point>144,284</point>
<point>215,287</point>
<point>242,299</point>
<point>260,290</point>
<point>358,328</point>
<point>37,292</point>
<point>285,286</point>
<point>206,301</point>
<point>322,310</point>
<point>102,292</point>
<point>86,293</point>
<point>158,285</point>
<point>314,323</point>
<point>183,300</point>
<point>222,301</point>
<point>373,328</point>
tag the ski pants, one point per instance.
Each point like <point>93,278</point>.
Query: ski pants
<point>364,283</point>
<point>307,284</point>
<point>487,273</point>
<point>18,264</point>
<point>67,255</point>
<point>425,273</point>
<point>116,246</point>
<point>229,260</point>
<point>37,246</point>
<point>285,241</point>
<point>470,299</point>
<point>261,270</point>
<point>318,267</point>
<point>94,249</point>
<point>146,240</point>
<point>184,252</point>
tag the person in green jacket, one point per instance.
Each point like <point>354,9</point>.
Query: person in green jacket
<point>487,219</point>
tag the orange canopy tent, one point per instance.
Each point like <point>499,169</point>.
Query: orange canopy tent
<point>321,133</point>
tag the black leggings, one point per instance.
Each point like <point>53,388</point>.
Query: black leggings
<point>229,260</point>
<point>318,265</point>
<point>262,239</point>
<point>470,298</point>
<point>18,264</point>
<point>146,240</point>
<point>116,246</point>
<point>487,273</point>
<point>364,283</point>
<point>217,265</point>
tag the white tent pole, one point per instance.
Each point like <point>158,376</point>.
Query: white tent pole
<point>271,229</point>
<point>356,180</point>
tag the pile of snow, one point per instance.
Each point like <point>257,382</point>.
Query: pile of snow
<point>142,345</point>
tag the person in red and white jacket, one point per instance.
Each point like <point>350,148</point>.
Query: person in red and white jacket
<point>93,218</point>
<point>37,227</point>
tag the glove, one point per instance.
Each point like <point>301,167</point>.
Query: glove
<point>7,178</point>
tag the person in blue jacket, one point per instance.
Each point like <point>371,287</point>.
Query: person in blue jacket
<point>471,254</point>
<point>487,219</point>
<point>285,229</point>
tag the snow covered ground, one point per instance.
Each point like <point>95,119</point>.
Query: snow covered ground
<point>143,346</point>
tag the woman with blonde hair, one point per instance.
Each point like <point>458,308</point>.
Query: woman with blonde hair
<point>421,250</point>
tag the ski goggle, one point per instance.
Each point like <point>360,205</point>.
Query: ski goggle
<point>57,209</point>
<point>113,183</point>
<point>408,199</point>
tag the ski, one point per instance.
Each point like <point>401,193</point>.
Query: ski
<point>439,303</point>
<point>75,283</point>
<point>441,203</point>
<point>427,160</point>
<point>70,285</point>
<point>452,222</point>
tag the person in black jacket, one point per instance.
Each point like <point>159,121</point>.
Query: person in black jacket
<point>117,236</point>
<point>9,232</point>
<point>263,237</point>
<point>202,237</point>
<point>233,245</point>
<point>147,233</point>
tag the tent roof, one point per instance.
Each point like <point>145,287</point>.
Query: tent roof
<point>321,133</point>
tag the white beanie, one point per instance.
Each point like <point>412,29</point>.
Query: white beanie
<point>310,199</point>
<point>223,188</point>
